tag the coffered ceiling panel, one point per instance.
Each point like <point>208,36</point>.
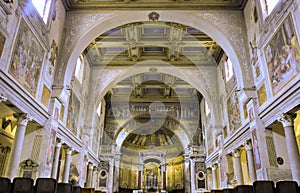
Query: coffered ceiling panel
<point>173,43</point>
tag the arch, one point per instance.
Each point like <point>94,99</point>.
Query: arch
<point>148,160</point>
<point>225,28</point>
<point>188,75</point>
<point>180,132</point>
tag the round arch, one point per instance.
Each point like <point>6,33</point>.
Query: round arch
<point>180,132</point>
<point>188,76</point>
<point>210,24</point>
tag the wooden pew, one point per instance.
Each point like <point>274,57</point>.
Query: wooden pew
<point>88,190</point>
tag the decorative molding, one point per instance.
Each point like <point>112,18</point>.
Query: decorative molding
<point>22,118</point>
<point>272,111</point>
<point>286,120</point>
<point>78,25</point>
<point>105,78</point>
<point>152,4</point>
<point>7,8</point>
<point>232,26</point>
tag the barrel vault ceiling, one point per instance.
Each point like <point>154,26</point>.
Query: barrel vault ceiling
<point>163,43</point>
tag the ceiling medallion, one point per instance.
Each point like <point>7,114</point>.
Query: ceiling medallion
<point>153,69</point>
<point>153,16</point>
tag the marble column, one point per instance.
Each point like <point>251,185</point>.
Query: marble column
<point>16,151</point>
<point>291,144</point>
<point>111,175</point>
<point>116,182</point>
<point>187,177</point>
<point>95,175</point>
<point>90,176</point>
<point>163,176</point>
<point>55,160</point>
<point>140,176</point>
<point>237,166</point>
<point>67,164</point>
<point>250,160</point>
<point>214,176</point>
<point>193,181</point>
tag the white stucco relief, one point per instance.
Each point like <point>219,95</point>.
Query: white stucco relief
<point>232,26</point>
<point>83,27</point>
<point>76,28</point>
<point>203,78</point>
<point>106,77</point>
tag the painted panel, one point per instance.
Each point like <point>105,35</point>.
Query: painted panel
<point>282,55</point>
<point>234,115</point>
<point>45,96</point>
<point>27,59</point>
<point>73,113</point>
<point>255,145</point>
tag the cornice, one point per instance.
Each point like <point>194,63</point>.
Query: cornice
<point>22,99</point>
<point>146,5</point>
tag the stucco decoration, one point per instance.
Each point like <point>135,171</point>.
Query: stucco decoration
<point>232,26</point>
<point>83,28</point>
<point>77,27</point>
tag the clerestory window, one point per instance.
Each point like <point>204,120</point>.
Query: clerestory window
<point>43,8</point>
<point>267,6</point>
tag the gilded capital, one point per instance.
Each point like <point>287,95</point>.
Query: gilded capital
<point>22,118</point>
<point>2,98</point>
<point>286,120</point>
<point>236,153</point>
<point>248,145</point>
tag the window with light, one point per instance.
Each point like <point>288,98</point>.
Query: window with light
<point>99,110</point>
<point>207,109</point>
<point>43,8</point>
<point>228,70</point>
<point>79,69</point>
<point>267,6</point>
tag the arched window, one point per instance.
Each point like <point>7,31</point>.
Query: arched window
<point>99,109</point>
<point>43,8</point>
<point>207,109</point>
<point>228,70</point>
<point>267,6</point>
<point>79,69</point>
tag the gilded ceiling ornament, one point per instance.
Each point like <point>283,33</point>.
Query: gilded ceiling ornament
<point>153,16</point>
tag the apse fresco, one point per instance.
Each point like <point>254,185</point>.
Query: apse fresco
<point>27,59</point>
<point>282,55</point>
